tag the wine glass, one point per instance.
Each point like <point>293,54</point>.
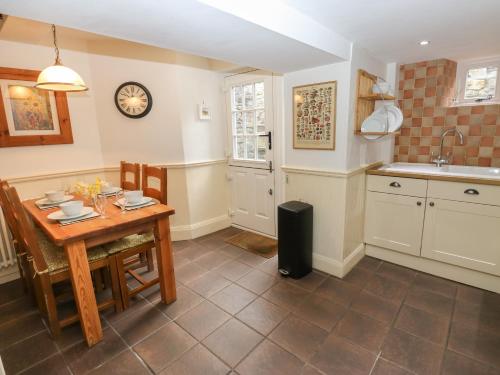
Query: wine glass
<point>100,203</point>
<point>120,200</point>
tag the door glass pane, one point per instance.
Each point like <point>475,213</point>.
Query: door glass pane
<point>249,123</point>
<point>259,95</point>
<point>238,122</point>
<point>261,148</point>
<point>248,119</point>
<point>240,147</point>
<point>237,98</point>
<point>260,120</point>
<point>248,93</point>
<point>250,145</point>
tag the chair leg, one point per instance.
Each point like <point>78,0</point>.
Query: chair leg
<point>150,260</point>
<point>97,280</point>
<point>122,280</point>
<point>50,303</point>
<point>115,284</point>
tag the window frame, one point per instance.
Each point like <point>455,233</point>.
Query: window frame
<point>461,79</point>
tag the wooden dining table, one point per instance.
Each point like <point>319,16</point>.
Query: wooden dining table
<point>76,238</point>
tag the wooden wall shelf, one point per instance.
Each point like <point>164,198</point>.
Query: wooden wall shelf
<point>365,100</point>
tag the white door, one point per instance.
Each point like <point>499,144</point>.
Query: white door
<point>464,234</point>
<point>250,143</point>
<point>394,222</point>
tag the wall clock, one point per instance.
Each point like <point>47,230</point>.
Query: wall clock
<point>133,99</point>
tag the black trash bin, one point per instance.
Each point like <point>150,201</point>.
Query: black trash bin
<point>295,234</point>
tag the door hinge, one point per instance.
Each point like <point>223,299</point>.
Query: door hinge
<point>270,191</point>
<point>270,166</point>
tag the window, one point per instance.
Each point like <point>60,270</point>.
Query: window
<point>481,83</point>
<point>477,82</point>
<point>248,121</point>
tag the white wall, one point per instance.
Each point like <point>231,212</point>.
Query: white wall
<point>85,153</point>
<point>339,72</point>
<point>333,181</point>
<point>170,134</point>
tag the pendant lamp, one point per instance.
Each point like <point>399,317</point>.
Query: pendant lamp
<point>58,77</point>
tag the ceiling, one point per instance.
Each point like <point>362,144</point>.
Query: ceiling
<point>391,29</point>
<point>284,35</point>
<point>247,34</point>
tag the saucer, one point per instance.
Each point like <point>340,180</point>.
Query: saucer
<point>46,202</point>
<point>144,200</point>
<point>113,191</point>
<point>59,215</point>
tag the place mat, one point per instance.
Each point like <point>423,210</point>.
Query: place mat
<point>255,243</point>
<point>44,207</point>
<point>90,216</point>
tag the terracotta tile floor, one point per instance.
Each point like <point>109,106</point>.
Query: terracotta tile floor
<point>234,313</point>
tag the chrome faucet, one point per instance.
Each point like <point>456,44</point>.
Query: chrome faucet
<point>442,159</point>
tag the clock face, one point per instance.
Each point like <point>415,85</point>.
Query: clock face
<point>133,100</point>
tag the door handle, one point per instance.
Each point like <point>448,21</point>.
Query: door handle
<point>471,192</point>
<point>395,184</point>
<point>269,139</point>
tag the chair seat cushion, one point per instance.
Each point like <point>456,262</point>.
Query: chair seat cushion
<point>56,259</point>
<point>129,242</point>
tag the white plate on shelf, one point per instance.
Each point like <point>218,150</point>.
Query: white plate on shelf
<point>59,215</point>
<point>144,200</point>
<point>375,123</point>
<point>395,118</point>
<point>46,202</point>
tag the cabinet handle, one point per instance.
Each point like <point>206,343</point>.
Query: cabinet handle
<point>471,192</point>
<point>395,184</point>
<point>419,203</point>
<point>431,204</point>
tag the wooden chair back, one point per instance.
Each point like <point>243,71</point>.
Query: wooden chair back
<point>135,170</point>
<point>8,214</point>
<point>27,236</point>
<point>159,173</point>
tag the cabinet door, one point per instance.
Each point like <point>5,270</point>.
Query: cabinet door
<point>394,222</point>
<point>464,234</point>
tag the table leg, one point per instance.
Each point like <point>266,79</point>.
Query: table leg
<point>165,260</point>
<point>84,292</point>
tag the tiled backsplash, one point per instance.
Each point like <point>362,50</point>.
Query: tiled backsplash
<point>425,94</point>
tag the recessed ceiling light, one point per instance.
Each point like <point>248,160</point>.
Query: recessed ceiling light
<point>424,42</point>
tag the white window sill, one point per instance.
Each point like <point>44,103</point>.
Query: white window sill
<point>469,104</point>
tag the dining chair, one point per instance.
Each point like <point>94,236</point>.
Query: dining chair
<point>135,170</point>
<point>139,243</point>
<point>49,266</point>
<point>22,262</point>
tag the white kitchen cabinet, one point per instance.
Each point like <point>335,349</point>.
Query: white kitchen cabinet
<point>464,234</point>
<point>394,221</point>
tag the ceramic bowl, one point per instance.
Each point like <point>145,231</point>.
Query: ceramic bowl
<point>71,208</point>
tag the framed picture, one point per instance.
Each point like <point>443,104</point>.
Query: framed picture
<point>29,116</point>
<point>314,116</point>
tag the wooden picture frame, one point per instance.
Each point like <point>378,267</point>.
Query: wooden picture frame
<point>314,116</point>
<point>64,136</point>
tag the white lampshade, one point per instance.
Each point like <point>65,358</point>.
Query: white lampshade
<point>60,78</point>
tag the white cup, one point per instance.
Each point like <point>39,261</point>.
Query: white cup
<point>106,187</point>
<point>71,208</point>
<point>133,196</point>
<point>54,195</point>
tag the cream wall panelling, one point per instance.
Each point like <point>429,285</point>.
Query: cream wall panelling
<point>338,201</point>
<point>200,208</point>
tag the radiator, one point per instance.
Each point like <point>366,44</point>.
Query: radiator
<point>7,253</point>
